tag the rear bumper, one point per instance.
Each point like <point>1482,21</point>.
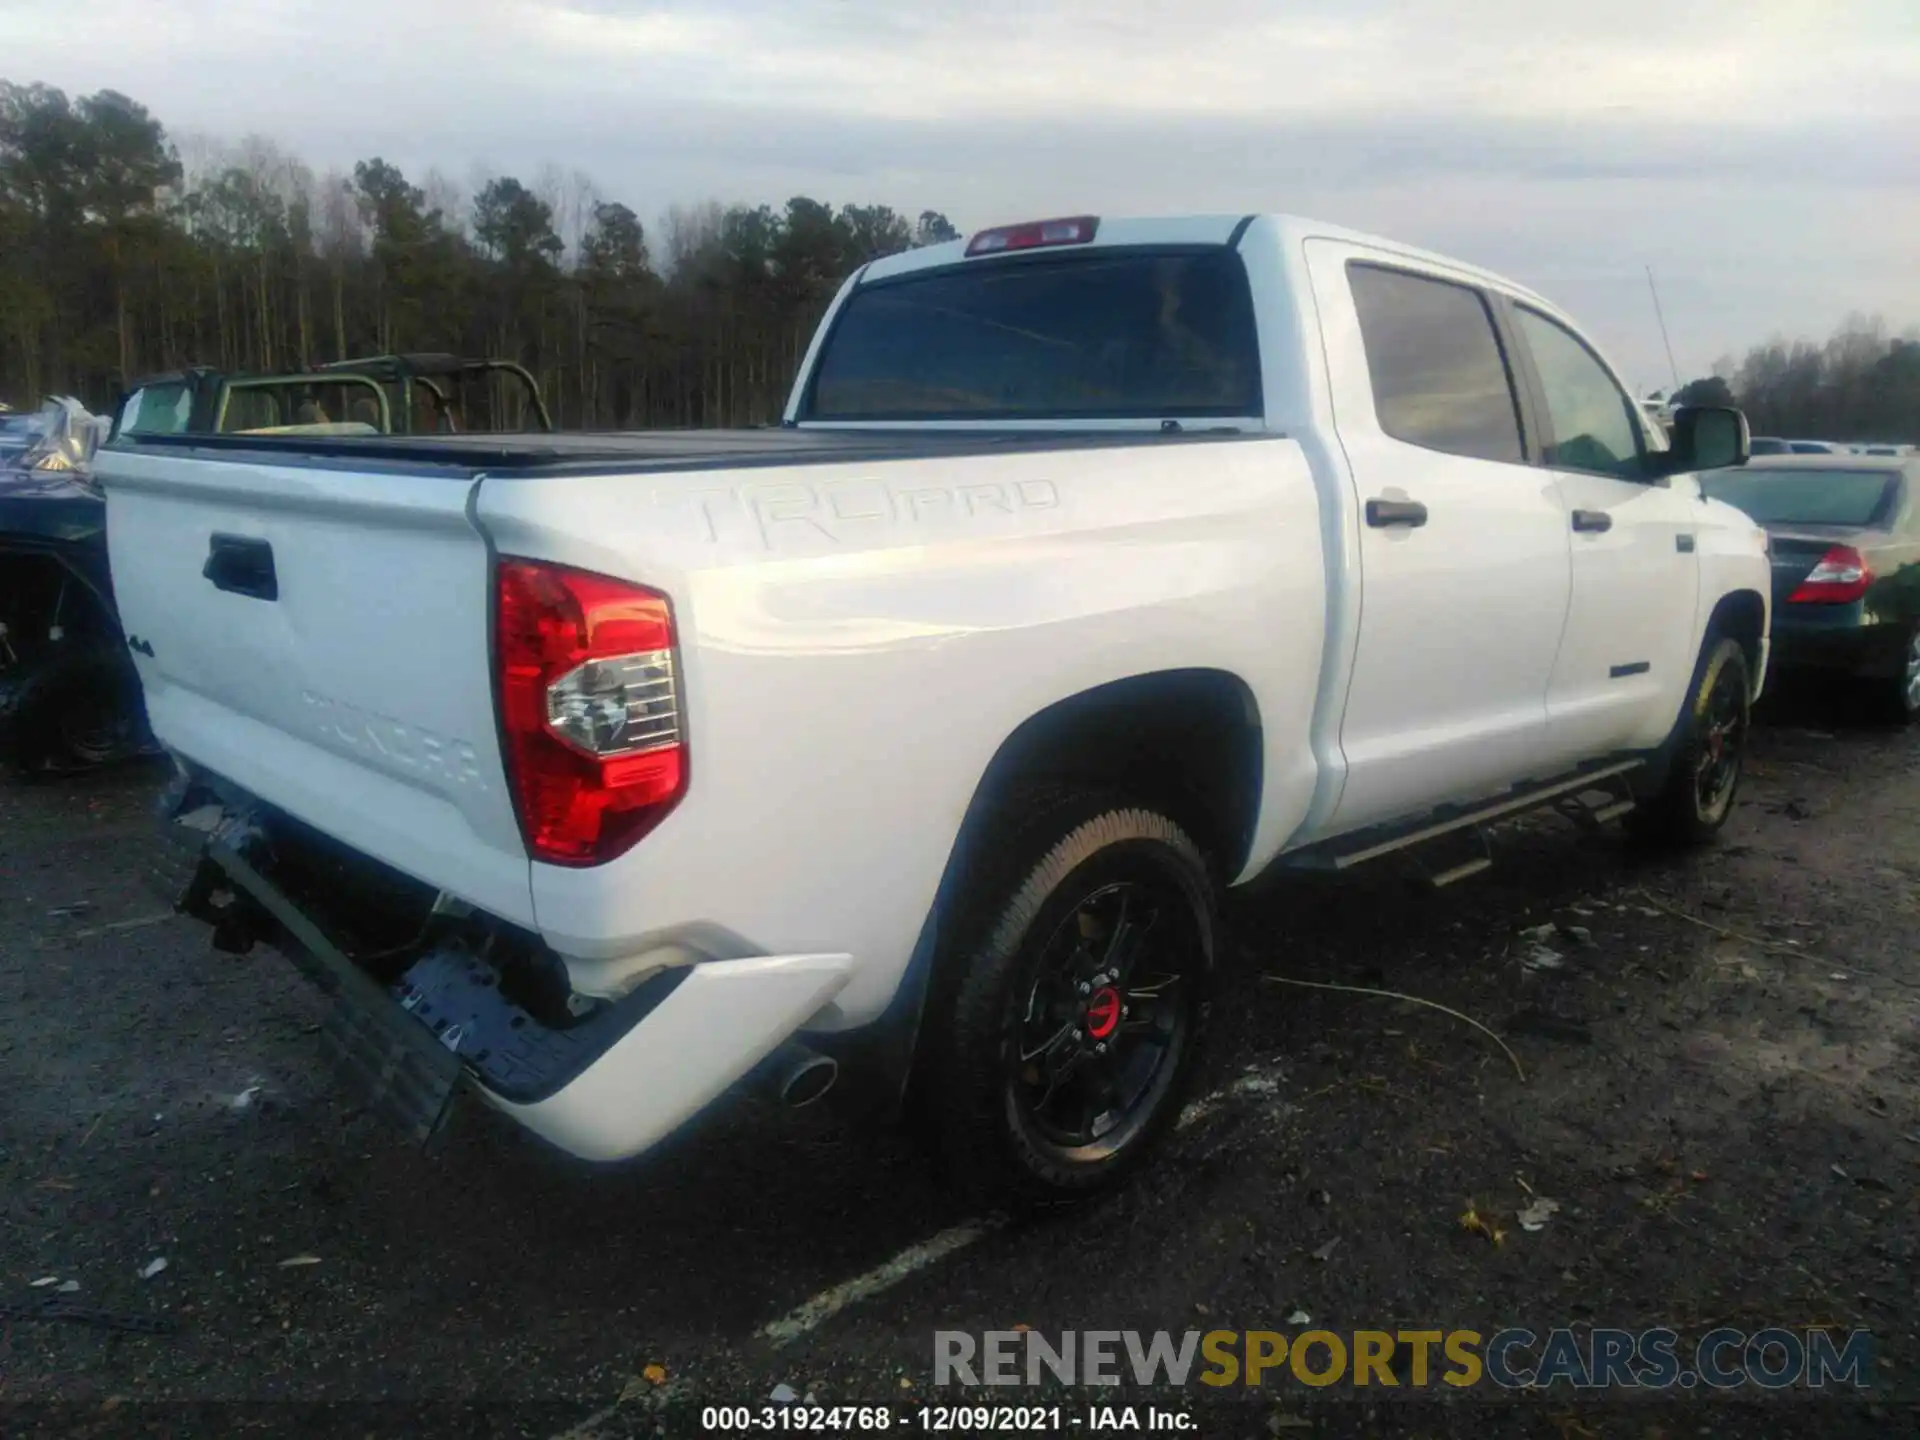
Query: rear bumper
<point>721,1021</point>
<point>471,1004</point>
<point>1875,651</point>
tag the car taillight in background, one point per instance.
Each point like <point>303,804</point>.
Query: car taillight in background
<point>589,708</point>
<point>1076,230</point>
<point>1841,577</point>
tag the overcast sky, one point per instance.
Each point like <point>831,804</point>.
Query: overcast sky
<point>1762,157</point>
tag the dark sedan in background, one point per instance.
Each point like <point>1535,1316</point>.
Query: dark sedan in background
<point>1845,536</point>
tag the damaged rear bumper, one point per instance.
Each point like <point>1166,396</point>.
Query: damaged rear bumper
<point>468,1003</point>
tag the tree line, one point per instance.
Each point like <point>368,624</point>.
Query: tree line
<point>1862,384</point>
<point>122,257</point>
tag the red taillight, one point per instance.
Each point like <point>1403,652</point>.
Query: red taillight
<point>589,707</point>
<point>1075,230</point>
<point>1841,577</point>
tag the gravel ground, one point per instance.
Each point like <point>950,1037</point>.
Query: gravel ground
<point>1722,1093</point>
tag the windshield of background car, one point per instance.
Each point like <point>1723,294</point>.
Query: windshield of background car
<point>1854,498</point>
<point>1093,336</point>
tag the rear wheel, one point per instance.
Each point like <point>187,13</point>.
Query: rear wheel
<point>1709,753</point>
<point>1062,1044</point>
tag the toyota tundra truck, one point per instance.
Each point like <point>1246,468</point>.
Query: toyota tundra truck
<point>1098,564</point>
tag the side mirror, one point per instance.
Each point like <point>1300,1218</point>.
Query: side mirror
<point>1708,437</point>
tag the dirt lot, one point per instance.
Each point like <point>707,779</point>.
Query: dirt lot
<point>1722,1092</point>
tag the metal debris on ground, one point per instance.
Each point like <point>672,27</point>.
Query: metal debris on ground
<point>68,1287</point>
<point>784,1394</point>
<point>292,1260</point>
<point>1299,1317</point>
<point>1325,1252</point>
<point>153,1267</point>
<point>46,1280</point>
<point>1536,1215</point>
<point>1783,947</point>
<point>1506,1049</point>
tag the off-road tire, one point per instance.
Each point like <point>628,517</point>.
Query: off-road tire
<point>1678,814</point>
<point>1057,853</point>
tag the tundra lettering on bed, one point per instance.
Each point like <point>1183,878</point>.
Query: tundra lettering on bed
<point>1099,564</point>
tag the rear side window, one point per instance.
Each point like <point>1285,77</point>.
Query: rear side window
<point>1122,335</point>
<point>1439,379</point>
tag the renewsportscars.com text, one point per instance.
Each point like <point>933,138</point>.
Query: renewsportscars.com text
<point>1510,1359</point>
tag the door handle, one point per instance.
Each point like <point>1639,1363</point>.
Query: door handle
<point>1382,513</point>
<point>241,565</point>
<point>1592,521</point>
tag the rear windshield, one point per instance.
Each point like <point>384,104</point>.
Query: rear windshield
<point>1806,497</point>
<point>1092,336</point>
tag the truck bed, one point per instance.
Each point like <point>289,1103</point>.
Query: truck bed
<point>647,452</point>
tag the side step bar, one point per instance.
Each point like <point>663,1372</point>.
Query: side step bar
<point>1560,794</point>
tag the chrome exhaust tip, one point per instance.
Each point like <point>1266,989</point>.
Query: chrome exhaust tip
<point>797,1075</point>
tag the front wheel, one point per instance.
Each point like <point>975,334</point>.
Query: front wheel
<point>1709,754</point>
<point>1062,1044</point>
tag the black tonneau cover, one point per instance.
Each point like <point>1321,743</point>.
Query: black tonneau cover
<point>641,451</point>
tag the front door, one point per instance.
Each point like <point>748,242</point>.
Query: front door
<point>1462,544</point>
<point>1628,653</point>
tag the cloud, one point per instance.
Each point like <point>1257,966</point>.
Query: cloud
<point>1763,161</point>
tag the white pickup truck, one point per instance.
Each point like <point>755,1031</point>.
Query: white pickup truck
<point>1098,564</point>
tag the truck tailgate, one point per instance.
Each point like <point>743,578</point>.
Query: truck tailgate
<point>319,636</point>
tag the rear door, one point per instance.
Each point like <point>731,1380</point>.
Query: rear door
<point>1629,648</point>
<point>1463,542</point>
<point>318,635</point>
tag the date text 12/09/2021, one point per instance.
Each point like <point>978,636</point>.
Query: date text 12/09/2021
<point>945,1419</point>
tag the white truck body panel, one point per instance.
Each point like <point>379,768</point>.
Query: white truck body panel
<point>905,619</point>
